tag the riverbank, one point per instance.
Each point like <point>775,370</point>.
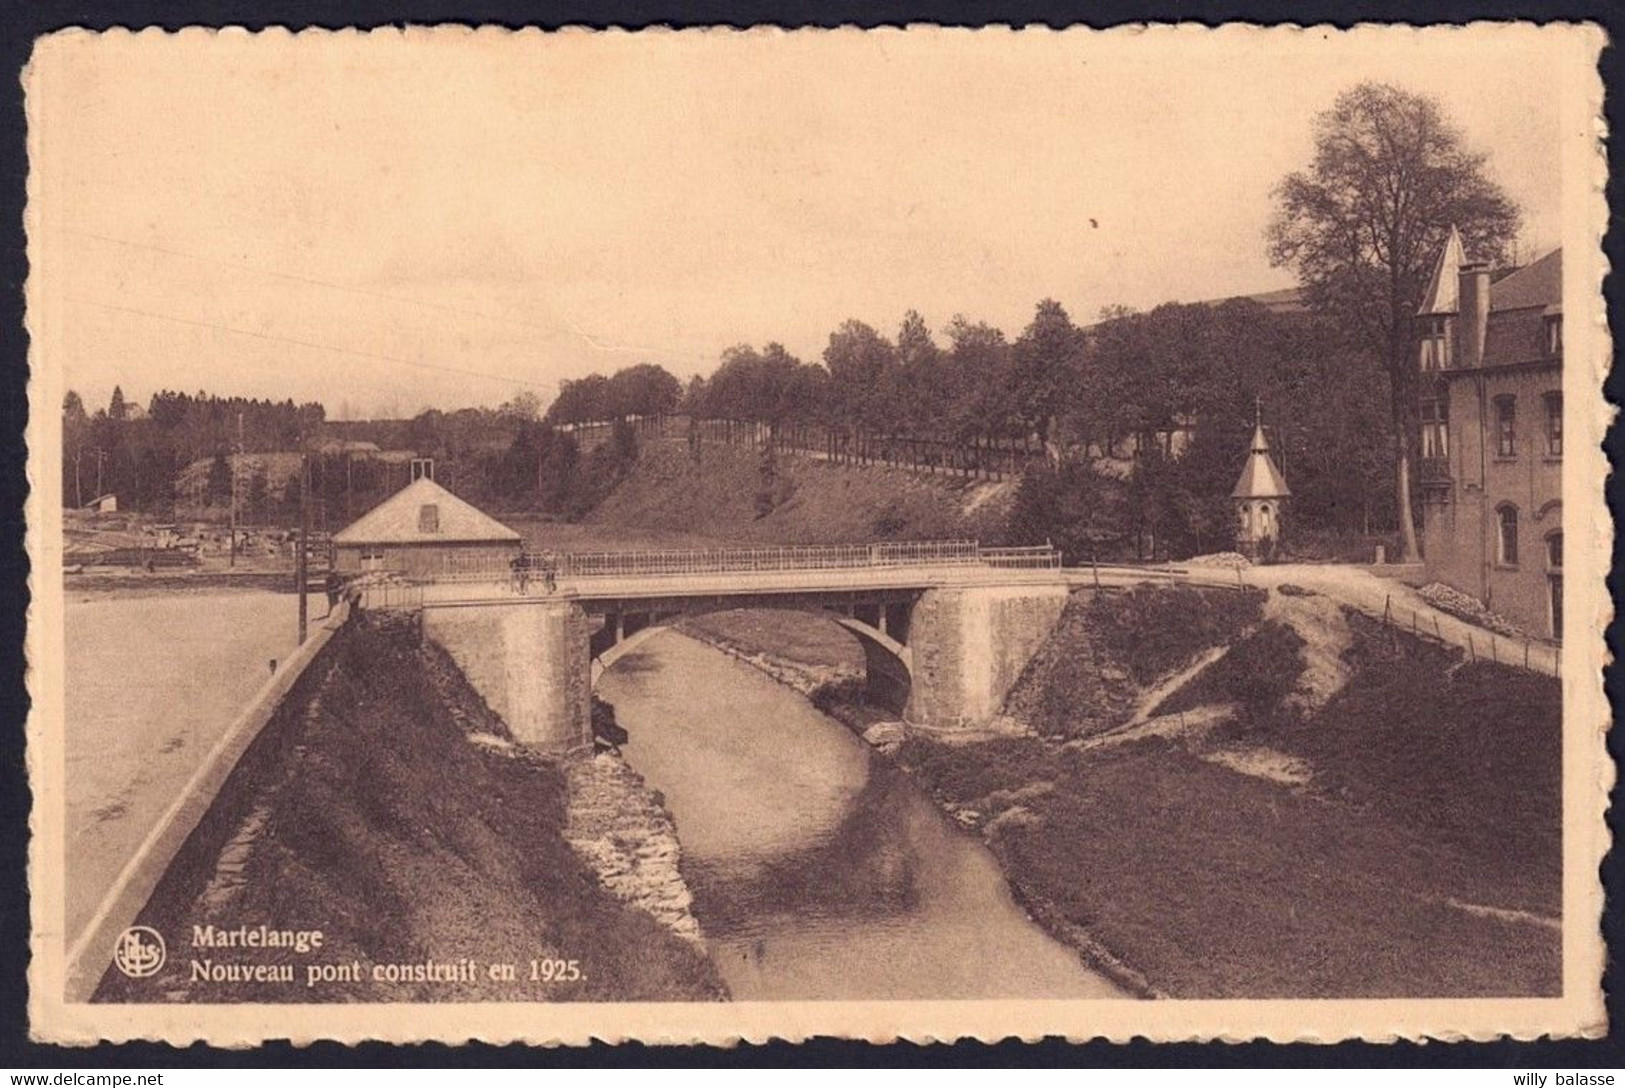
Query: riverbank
<point>1234,795</point>
<point>387,807</point>
<point>820,872</point>
<point>134,583</point>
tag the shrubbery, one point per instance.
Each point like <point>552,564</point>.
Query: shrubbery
<point>1255,676</point>
<point>1155,630</point>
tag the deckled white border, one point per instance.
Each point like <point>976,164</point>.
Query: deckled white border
<point>1588,773</point>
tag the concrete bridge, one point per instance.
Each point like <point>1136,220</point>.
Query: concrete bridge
<point>946,627</point>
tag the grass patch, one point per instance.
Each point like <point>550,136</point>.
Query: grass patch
<point>1433,784</point>
<point>1472,754</point>
<point>800,637</point>
<point>722,493</point>
<point>1110,645</point>
<point>1255,676</point>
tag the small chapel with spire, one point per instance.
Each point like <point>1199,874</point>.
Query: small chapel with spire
<point>1260,494</point>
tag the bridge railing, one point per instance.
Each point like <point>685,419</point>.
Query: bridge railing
<point>1031,557</point>
<point>760,560</point>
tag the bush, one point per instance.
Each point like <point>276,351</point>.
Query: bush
<point>1256,676</point>
<point>1156,629</point>
<point>1079,510</point>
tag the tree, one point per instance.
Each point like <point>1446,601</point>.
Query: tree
<point>921,374</point>
<point>1047,366</point>
<point>980,402</point>
<point>1364,224</point>
<point>217,488</point>
<point>523,405</point>
<point>860,363</point>
<point>116,408</point>
<point>259,489</point>
<point>75,430</point>
<point>642,390</point>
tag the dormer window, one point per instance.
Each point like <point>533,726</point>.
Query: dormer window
<point>429,518</point>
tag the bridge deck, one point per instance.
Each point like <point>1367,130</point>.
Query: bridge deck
<point>746,585</point>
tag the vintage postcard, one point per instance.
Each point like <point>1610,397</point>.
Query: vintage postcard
<point>691,536</point>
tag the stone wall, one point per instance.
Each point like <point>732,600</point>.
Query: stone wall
<point>528,661</point>
<point>970,645</point>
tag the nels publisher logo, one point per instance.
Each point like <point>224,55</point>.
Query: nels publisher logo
<point>139,952</point>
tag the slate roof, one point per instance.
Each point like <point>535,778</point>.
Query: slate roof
<point>1519,306</point>
<point>1260,479</point>
<point>1442,295</point>
<point>1536,284</point>
<point>396,520</point>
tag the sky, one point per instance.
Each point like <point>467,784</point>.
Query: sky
<point>394,221</point>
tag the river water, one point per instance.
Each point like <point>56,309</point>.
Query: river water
<point>819,870</point>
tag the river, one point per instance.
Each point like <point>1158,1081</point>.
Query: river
<point>819,870</point>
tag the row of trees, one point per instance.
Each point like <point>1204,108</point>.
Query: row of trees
<point>138,454</point>
<point>1362,226</point>
<point>641,390</point>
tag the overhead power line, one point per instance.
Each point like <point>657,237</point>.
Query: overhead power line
<point>216,327</point>
<point>569,331</point>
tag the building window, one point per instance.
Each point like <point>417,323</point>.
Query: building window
<point>1554,581</point>
<point>1433,344</point>
<point>429,518</point>
<point>372,559</point>
<point>1554,424</point>
<point>1506,426</point>
<point>1435,429</point>
<point>1554,335</point>
<point>1506,536</point>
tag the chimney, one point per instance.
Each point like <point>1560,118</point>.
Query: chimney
<point>1473,313</point>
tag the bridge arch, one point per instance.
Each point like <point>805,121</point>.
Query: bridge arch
<point>888,663</point>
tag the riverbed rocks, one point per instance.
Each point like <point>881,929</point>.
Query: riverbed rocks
<point>621,829</point>
<point>885,736</point>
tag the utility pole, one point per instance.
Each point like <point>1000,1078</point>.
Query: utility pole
<point>303,565</point>
<point>236,457</point>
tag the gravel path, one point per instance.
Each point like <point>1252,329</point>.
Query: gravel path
<point>1377,596</point>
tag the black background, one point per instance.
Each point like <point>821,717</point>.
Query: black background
<point>22,21</point>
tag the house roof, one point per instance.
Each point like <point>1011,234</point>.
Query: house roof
<point>1536,284</point>
<point>398,520</point>
<point>1260,479</point>
<point>1442,294</point>
<point>1288,300</point>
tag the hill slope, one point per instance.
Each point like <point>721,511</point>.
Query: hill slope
<point>726,492</point>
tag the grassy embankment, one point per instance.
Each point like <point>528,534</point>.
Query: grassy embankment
<point>670,499</point>
<point>1346,811</point>
<point>382,807</point>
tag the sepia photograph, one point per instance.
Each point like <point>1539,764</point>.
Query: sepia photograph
<point>916,533</point>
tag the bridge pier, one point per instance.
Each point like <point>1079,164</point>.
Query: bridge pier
<point>969,646</point>
<point>530,662</point>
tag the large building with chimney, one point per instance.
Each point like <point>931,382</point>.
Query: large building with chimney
<point>1491,434</point>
